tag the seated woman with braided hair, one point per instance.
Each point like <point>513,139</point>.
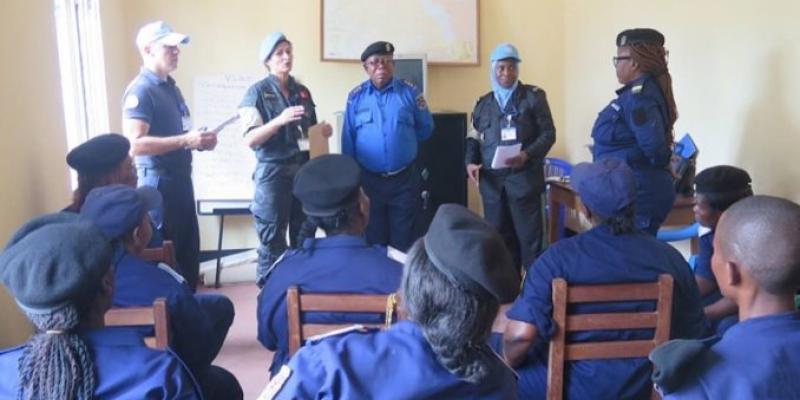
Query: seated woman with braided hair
<point>59,270</point>
<point>454,281</point>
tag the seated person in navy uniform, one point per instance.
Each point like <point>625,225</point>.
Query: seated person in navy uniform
<point>455,278</point>
<point>59,269</point>
<point>199,322</point>
<point>100,161</point>
<point>716,189</point>
<point>757,265</point>
<point>329,189</point>
<point>614,251</point>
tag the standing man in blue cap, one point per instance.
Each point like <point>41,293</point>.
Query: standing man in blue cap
<point>276,114</point>
<point>60,271</point>
<point>513,113</point>
<point>614,251</point>
<point>454,281</point>
<point>384,122</point>
<point>157,122</point>
<point>329,188</point>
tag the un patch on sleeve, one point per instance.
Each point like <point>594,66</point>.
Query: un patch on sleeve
<point>131,102</point>
<point>639,116</point>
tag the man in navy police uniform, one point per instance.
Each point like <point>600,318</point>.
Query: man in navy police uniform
<point>384,122</point>
<point>157,122</point>
<point>614,251</point>
<point>329,189</point>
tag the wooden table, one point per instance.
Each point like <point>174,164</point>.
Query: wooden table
<point>562,194</point>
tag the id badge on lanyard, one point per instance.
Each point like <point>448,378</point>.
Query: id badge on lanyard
<point>509,132</point>
<point>186,119</point>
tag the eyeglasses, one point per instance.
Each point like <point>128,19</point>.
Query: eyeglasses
<point>379,61</point>
<point>616,59</point>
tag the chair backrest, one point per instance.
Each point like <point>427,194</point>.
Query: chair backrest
<point>164,254</point>
<point>156,315</point>
<point>556,167</point>
<point>297,304</point>
<point>560,351</point>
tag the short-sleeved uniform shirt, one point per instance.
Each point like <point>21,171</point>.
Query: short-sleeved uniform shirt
<point>383,127</point>
<point>160,104</point>
<point>598,256</point>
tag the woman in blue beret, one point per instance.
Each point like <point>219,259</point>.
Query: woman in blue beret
<point>276,114</point>
<point>59,270</point>
<point>637,126</point>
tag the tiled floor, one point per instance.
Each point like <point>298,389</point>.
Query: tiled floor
<point>242,354</point>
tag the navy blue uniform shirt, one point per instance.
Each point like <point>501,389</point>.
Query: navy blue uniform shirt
<point>633,128</point>
<point>397,363</point>
<point>702,268</point>
<point>138,283</point>
<point>338,264</point>
<point>598,256</point>
<point>125,369</point>
<point>758,358</point>
<point>160,104</point>
<point>264,101</point>
<point>383,127</point>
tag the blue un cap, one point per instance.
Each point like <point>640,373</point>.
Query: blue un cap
<point>160,32</point>
<point>117,209</point>
<point>606,187</point>
<point>505,51</point>
<point>269,44</point>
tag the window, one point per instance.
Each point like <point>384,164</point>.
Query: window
<point>83,78</point>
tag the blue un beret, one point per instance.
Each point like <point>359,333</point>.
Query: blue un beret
<point>327,184</point>
<point>269,44</point>
<point>640,35</point>
<point>99,154</point>
<point>117,209</point>
<point>54,259</point>
<point>606,186</point>
<point>377,48</point>
<point>505,51</point>
<point>466,248</point>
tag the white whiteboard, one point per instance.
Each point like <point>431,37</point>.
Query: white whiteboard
<point>225,173</point>
<point>446,31</point>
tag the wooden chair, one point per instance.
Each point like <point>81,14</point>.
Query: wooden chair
<point>157,316</point>
<point>297,304</point>
<point>560,351</point>
<point>164,254</point>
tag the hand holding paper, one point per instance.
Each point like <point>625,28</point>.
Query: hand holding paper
<point>504,153</point>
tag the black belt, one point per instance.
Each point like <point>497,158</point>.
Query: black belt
<point>390,173</point>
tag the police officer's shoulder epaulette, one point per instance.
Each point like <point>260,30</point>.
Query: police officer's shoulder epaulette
<point>357,328</point>
<point>408,83</point>
<point>531,88</point>
<point>355,90</point>
<point>636,89</point>
<point>396,255</point>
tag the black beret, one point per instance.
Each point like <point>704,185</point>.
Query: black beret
<point>377,48</point>
<point>639,35</point>
<point>99,154</point>
<point>722,180</point>
<point>327,184</point>
<point>465,247</point>
<point>52,260</point>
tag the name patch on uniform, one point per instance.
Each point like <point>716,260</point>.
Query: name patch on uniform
<point>276,383</point>
<point>131,102</point>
